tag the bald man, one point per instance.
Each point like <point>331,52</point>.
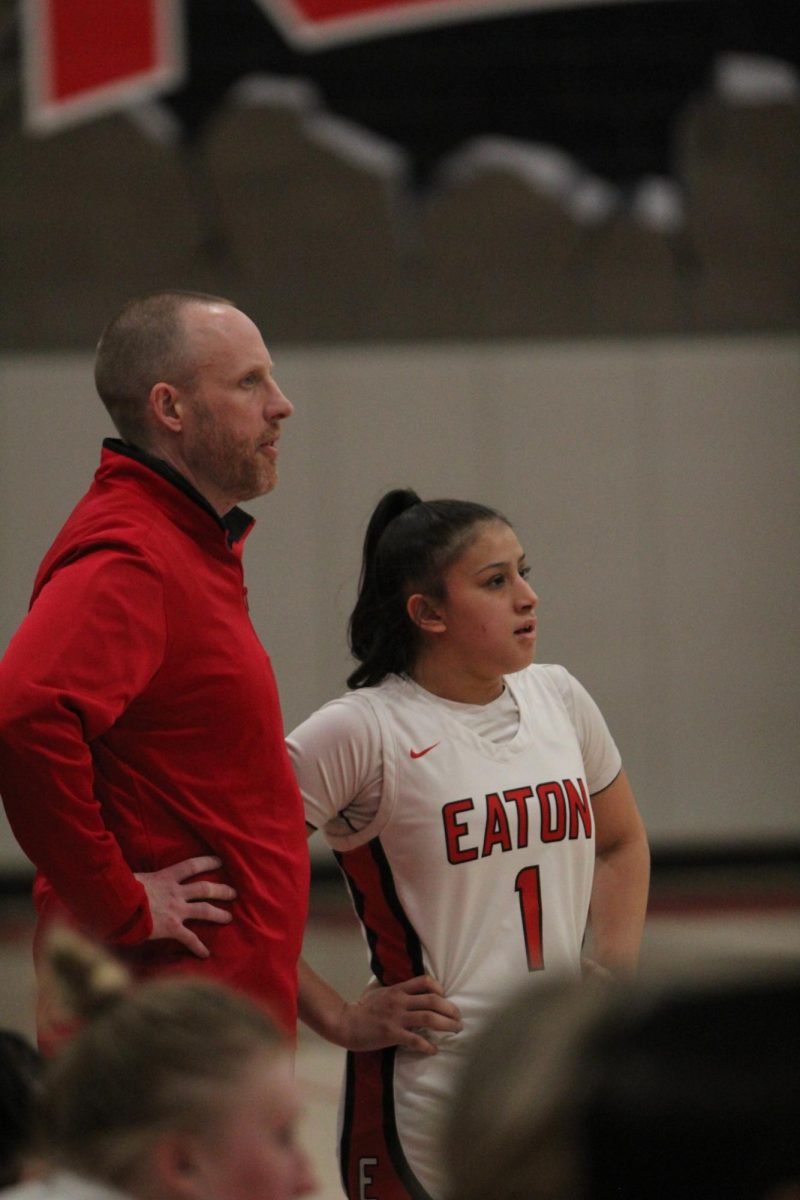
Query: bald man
<point>142,759</point>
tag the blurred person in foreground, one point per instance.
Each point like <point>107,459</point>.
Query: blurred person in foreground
<point>174,1089</point>
<point>605,1091</point>
<point>142,760</point>
<point>20,1078</point>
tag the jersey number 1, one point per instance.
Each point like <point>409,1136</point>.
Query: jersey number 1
<point>530,905</point>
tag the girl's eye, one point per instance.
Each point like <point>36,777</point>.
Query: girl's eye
<point>524,572</point>
<point>497,581</point>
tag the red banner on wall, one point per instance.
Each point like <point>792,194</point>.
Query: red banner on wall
<point>319,22</point>
<point>86,57</point>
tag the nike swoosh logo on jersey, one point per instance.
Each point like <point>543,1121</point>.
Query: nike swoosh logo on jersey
<point>419,753</point>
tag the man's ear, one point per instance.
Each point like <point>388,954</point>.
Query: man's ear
<point>424,614</point>
<point>175,1166</point>
<point>166,407</point>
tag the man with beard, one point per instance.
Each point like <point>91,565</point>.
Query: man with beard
<point>142,760</point>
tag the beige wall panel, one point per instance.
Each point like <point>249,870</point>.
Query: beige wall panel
<point>653,483</point>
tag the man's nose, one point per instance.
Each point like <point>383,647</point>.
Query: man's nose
<point>278,405</point>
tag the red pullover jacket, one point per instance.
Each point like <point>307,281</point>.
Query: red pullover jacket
<point>140,725</point>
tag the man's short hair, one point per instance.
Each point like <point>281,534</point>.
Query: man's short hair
<point>143,345</point>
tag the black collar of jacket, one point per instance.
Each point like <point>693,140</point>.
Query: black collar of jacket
<point>235,523</point>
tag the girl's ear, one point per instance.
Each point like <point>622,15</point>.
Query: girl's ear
<point>424,614</point>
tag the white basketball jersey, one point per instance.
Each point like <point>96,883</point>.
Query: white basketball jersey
<point>478,865</point>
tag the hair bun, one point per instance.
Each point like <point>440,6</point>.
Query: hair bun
<point>84,978</point>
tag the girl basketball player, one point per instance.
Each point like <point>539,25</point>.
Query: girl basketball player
<point>478,808</point>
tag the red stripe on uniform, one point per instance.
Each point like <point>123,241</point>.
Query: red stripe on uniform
<point>395,947</point>
<point>372,1161</point>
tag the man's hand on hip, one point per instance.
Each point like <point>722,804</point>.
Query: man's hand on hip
<point>175,897</point>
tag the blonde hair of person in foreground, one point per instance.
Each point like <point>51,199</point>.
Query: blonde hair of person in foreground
<point>174,1089</point>
<point>603,1091</point>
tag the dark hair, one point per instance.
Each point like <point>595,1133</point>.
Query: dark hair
<point>408,546</point>
<point>144,344</point>
<point>20,1076</point>
<point>705,1083</point>
<point>600,1091</point>
<point>149,1057</point>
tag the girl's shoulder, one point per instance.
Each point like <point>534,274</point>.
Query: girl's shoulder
<point>345,718</point>
<point>543,678</point>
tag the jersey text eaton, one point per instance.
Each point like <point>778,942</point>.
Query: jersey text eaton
<point>561,810</point>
